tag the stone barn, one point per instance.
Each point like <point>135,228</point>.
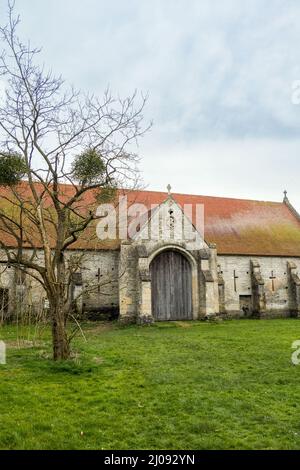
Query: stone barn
<point>242,260</point>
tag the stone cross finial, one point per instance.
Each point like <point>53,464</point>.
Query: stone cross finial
<point>169,187</point>
<point>285,195</point>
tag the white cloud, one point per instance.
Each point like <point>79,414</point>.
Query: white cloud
<point>250,168</point>
<point>219,77</point>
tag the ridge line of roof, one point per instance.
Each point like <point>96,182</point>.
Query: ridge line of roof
<point>69,185</point>
<point>202,195</point>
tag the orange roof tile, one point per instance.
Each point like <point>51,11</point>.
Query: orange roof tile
<point>236,226</point>
<point>239,226</point>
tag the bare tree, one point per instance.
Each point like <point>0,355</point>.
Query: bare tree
<point>51,135</point>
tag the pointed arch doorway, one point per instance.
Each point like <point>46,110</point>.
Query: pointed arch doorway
<point>171,287</point>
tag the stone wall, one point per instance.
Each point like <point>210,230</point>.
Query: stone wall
<point>128,284</point>
<point>237,272</point>
<point>135,281</point>
<point>100,284</point>
<point>21,292</point>
<point>103,293</point>
<point>120,282</point>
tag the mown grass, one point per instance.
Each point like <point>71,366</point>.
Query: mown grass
<point>228,385</point>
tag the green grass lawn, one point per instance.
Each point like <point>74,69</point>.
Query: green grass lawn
<point>227,385</point>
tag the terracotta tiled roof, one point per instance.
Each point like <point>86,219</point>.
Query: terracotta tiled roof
<point>245,227</point>
<point>236,226</point>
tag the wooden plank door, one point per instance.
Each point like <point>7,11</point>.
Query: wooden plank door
<point>171,283</point>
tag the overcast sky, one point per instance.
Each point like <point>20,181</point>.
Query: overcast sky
<point>219,74</point>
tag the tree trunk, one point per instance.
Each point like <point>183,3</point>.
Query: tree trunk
<point>61,346</point>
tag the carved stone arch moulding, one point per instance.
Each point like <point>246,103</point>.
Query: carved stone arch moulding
<point>145,257</point>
